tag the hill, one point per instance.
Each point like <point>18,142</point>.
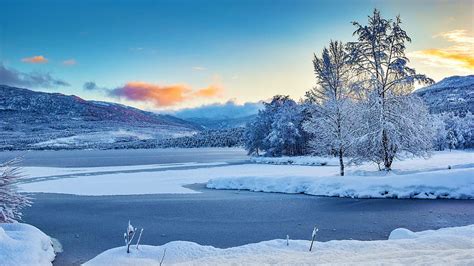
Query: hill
<point>452,94</point>
<point>31,119</point>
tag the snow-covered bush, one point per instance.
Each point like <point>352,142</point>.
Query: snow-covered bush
<point>11,201</point>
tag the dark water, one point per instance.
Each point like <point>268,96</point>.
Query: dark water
<point>87,226</point>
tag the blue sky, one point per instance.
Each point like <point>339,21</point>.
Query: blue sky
<point>213,50</point>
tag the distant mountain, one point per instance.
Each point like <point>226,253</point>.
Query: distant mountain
<point>452,94</point>
<point>222,123</point>
<point>31,119</point>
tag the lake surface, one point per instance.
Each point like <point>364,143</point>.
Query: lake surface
<point>95,158</point>
<point>86,225</point>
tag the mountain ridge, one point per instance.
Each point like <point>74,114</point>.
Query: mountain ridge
<point>31,119</point>
<point>451,94</point>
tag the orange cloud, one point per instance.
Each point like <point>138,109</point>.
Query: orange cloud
<point>38,59</point>
<point>460,55</point>
<point>159,95</point>
<point>210,91</point>
<point>69,62</point>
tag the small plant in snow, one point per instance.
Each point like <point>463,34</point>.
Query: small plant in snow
<point>130,234</point>
<point>11,202</point>
<point>139,237</point>
<point>163,257</point>
<point>313,237</point>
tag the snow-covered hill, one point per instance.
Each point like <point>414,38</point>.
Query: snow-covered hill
<point>30,117</point>
<point>452,94</point>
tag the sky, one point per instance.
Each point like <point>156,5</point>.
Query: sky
<point>170,55</point>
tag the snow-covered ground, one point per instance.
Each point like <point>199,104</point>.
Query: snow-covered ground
<point>24,244</point>
<point>447,246</point>
<point>411,178</point>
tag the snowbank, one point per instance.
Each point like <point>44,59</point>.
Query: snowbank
<point>448,246</point>
<point>297,160</point>
<point>24,244</point>
<point>449,184</point>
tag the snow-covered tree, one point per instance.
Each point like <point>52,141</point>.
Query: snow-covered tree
<point>451,139</point>
<point>459,129</point>
<point>395,121</point>
<point>286,134</point>
<point>406,125</point>
<point>440,133</point>
<point>255,133</point>
<point>277,129</point>
<point>333,123</point>
<point>11,202</point>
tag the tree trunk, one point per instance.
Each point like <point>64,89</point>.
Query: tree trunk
<point>341,162</point>
<point>387,161</point>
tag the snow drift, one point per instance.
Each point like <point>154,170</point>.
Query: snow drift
<point>24,244</point>
<point>446,246</point>
<point>448,184</point>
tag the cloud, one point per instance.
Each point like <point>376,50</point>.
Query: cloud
<point>211,91</point>
<point>37,59</point>
<point>459,56</point>
<point>199,68</point>
<point>90,86</point>
<point>12,77</point>
<point>69,62</point>
<point>229,109</point>
<point>161,95</point>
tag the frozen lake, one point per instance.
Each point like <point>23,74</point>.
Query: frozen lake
<point>95,158</point>
<point>88,225</point>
